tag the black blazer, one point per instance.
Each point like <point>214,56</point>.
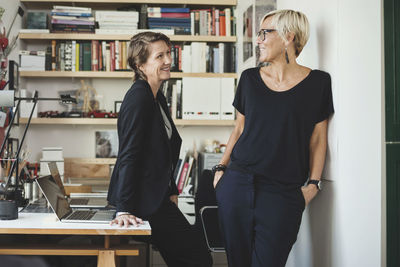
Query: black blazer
<point>143,173</point>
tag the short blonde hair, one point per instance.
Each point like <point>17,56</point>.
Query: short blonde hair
<point>286,21</point>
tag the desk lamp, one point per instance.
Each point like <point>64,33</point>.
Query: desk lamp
<point>8,99</point>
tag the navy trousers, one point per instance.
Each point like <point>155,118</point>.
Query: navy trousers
<point>260,219</point>
<point>179,243</point>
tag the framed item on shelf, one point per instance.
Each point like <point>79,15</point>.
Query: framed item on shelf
<point>106,144</point>
<point>117,106</point>
<point>13,75</point>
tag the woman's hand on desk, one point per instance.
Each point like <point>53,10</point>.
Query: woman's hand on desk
<point>126,220</point>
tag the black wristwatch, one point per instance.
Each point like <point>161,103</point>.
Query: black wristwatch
<point>219,167</point>
<point>317,183</point>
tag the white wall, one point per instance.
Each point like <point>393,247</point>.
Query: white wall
<point>345,225</point>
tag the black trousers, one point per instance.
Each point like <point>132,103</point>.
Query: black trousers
<point>259,218</point>
<point>179,243</point>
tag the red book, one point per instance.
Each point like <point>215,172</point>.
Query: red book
<point>183,177</point>
<point>222,25</point>
<point>112,52</point>
<point>179,51</point>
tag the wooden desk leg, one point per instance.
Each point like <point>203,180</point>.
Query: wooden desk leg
<point>107,241</point>
<point>106,258</point>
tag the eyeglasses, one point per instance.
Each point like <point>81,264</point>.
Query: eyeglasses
<point>263,32</point>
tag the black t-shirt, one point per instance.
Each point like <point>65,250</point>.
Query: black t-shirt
<point>278,125</point>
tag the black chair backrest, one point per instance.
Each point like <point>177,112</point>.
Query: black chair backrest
<point>212,232</point>
<point>207,212</point>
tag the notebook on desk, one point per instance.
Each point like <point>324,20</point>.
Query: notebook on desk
<point>79,202</point>
<point>62,209</point>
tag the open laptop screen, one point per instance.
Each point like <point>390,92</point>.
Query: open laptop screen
<point>56,176</point>
<point>54,196</point>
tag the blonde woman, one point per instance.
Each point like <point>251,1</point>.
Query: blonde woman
<point>275,155</point>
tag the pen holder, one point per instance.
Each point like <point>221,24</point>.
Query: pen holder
<point>8,210</point>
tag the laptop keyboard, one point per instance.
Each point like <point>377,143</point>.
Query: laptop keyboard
<point>81,215</point>
<point>78,201</point>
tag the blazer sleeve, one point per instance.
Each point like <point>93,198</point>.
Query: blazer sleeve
<point>133,124</point>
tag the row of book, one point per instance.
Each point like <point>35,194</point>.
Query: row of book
<point>185,172</point>
<point>201,57</point>
<point>112,56</point>
<point>177,19</point>
<point>112,21</point>
<point>189,98</point>
<point>87,56</point>
<point>72,19</point>
<point>65,19</point>
<point>196,21</point>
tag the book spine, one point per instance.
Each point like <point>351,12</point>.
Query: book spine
<point>217,22</point>
<point>87,56</point>
<point>112,54</point>
<point>48,59</point>
<point>68,56</point>
<point>77,56</point>
<point>95,61</point>
<point>228,21</point>
<point>100,56</point>
<point>183,176</point>
<point>117,51</point>
<point>222,23</point>
<point>108,57</point>
<point>73,59</point>
<point>53,54</point>
<point>196,22</point>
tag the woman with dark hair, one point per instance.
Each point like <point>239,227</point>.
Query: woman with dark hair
<point>278,145</point>
<point>142,185</point>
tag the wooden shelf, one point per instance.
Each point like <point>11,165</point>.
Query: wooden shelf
<point>161,2</point>
<point>101,121</point>
<point>114,74</point>
<point>123,37</point>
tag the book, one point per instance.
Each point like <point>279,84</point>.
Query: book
<point>87,56</point>
<point>53,54</point>
<point>73,59</point>
<point>72,8</point>
<point>168,10</point>
<point>77,57</point>
<point>73,14</point>
<point>177,170</point>
<point>168,15</point>
<point>222,26</point>
<point>72,22</point>
<point>183,177</point>
<point>174,101</point>
<point>228,21</point>
<point>68,56</point>
<point>34,31</point>
<point>94,55</point>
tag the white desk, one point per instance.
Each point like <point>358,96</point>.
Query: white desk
<point>48,224</point>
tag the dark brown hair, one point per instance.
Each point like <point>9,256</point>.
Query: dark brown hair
<point>138,52</point>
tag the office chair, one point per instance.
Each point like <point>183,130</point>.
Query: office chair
<point>206,210</point>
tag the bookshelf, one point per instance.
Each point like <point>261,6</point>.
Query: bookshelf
<point>101,121</point>
<point>114,74</point>
<point>121,37</point>
<point>158,2</point>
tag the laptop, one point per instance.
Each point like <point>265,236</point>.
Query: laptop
<point>62,209</point>
<point>78,202</point>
